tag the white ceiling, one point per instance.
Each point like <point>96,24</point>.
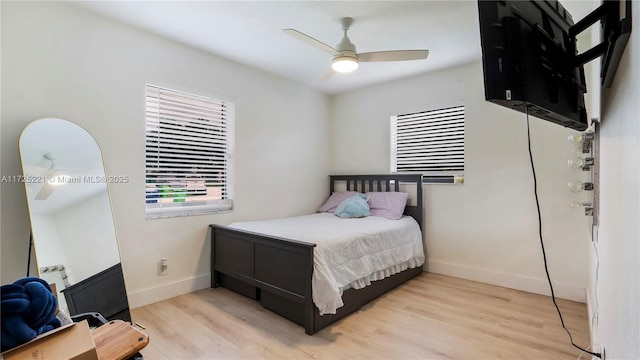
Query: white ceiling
<point>250,32</point>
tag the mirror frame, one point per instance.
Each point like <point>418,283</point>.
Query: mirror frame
<point>68,200</point>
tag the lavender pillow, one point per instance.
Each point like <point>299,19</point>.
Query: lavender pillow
<point>335,199</point>
<point>387,204</point>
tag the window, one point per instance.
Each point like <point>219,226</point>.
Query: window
<point>429,142</point>
<point>189,153</point>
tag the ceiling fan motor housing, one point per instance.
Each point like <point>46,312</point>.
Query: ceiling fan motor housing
<point>346,45</point>
<point>347,60</point>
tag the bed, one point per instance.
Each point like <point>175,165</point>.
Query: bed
<point>279,270</point>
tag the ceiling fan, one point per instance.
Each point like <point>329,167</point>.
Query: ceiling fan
<point>345,57</point>
<point>53,178</point>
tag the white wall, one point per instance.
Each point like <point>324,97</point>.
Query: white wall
<point>51,250</point>
<point>60,61</point>
<point>87,232</point>
<point>618,290</point>
<point>486,229</point>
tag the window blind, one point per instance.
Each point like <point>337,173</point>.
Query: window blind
<point>189,152</point>
<point>428,142</point>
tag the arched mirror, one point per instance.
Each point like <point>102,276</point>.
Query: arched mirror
<point>71,219</point>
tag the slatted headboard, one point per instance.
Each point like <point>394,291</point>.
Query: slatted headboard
<point>410,183</point>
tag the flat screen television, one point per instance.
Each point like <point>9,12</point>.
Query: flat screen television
<point>529,55</point>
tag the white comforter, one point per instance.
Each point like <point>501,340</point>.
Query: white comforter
<point>349,252</point>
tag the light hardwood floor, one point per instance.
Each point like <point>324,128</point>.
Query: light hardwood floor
<point>429,317</point>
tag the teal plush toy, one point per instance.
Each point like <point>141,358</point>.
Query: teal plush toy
<point>355,206</point>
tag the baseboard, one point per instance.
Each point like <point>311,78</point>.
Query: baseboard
<point>593,323</point>
<point>168,291</point>
<point>537,286</point>
<point>518,282</point>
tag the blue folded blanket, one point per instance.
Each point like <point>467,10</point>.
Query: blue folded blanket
<point>28,309</point>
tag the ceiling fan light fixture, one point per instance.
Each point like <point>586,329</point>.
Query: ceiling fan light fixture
<point>344,64</point>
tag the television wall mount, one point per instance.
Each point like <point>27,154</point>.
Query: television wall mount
<point>615,35</point>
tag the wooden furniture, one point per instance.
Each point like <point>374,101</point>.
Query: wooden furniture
<point>117,340</point>
<point>278,271</point>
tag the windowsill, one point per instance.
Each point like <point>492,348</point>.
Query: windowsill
<point>443,180</point>
<point>190,210</point>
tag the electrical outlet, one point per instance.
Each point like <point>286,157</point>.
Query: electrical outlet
<point>162,267</point>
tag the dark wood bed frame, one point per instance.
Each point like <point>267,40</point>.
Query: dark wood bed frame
<point>278,271</point>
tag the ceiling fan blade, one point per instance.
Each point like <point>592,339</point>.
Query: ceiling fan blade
<point>45,191</point>
<point>311,41</point>
<point>394,55</point>
<point>327,75</point>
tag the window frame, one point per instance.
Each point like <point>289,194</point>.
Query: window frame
<point>445,127</point>
<point>196,127</point>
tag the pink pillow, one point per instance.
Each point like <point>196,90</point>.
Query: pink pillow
<point>387,204</point>
<point>335,199</point>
